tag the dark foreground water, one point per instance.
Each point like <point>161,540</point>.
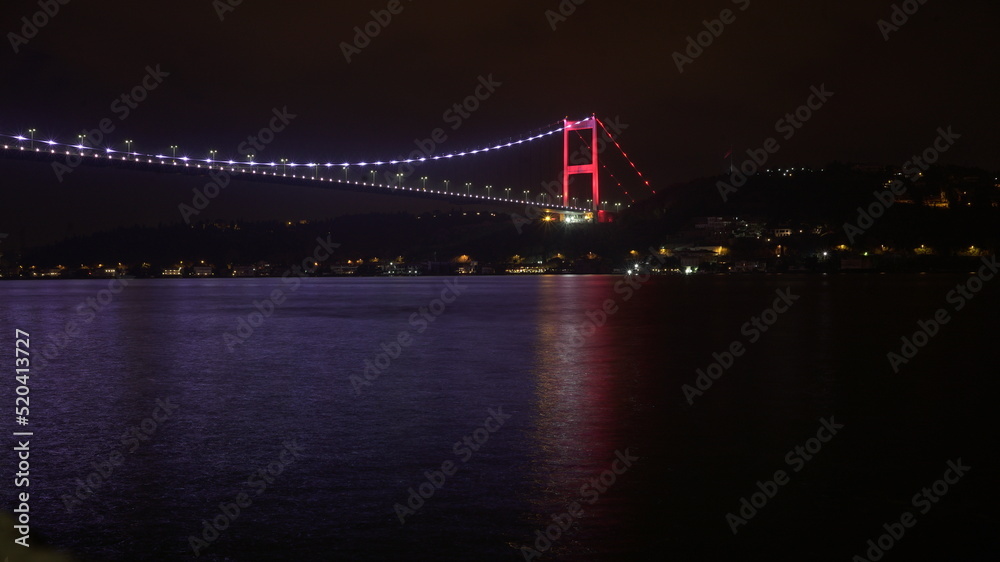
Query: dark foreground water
<point>153,363</point>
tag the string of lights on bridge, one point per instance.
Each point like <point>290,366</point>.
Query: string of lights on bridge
<point>625,154</point>
<point>604,165</point>
<point>111,154</point>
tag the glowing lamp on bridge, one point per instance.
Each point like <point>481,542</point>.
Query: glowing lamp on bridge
<point>567,126</point>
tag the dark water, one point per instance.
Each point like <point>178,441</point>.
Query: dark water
<point>505,343</point>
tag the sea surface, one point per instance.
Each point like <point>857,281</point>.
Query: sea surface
<point>155,406</point>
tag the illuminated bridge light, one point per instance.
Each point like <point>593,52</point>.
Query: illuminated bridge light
<point>243,166</point>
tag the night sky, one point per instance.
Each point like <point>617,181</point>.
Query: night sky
<point>609,58</point>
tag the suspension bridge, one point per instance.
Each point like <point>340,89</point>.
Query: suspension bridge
<point>585,143</point>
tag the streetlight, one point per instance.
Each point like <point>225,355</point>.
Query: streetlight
<point>373,177</point>
<point>526,193</point>
<point>345,174</point>
<point>31,133</point>
<point>399,180</point>
<point>81,138</point>
<point>128,146</point>
<point>424,179</point>
<point>468,188</point>
<point>446,184</point>
<point>508,192</point>
<point>604,205</point>
<point>489,189</point>
<point>315,168</point>
<point>575,202</point>
<point>618,207</point>
<point>212,154</point>
<point>284,163</point>
<point>173,149</point>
